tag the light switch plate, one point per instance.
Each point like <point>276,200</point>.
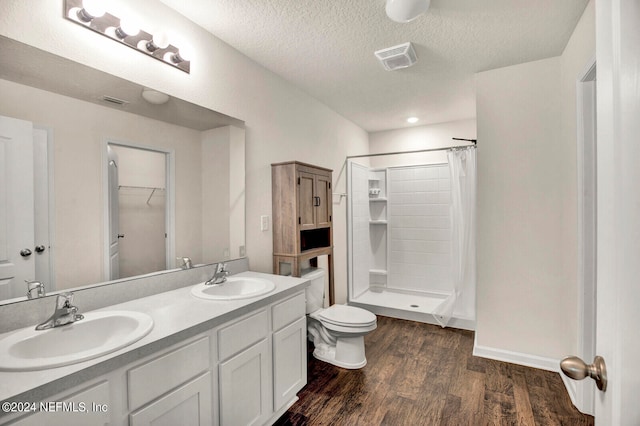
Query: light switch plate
<point>264,223</point>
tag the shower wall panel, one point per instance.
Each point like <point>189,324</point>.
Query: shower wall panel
<point>359,199</point>
<point>419,228</point>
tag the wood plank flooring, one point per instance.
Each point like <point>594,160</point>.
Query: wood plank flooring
<point>420,374</point>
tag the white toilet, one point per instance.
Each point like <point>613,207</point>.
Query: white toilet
<point>338,331</point>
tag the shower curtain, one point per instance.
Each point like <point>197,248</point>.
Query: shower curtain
<point>462,172</point>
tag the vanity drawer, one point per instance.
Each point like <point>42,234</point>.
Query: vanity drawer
<point>242,334</point>
<point>286,312</point>
<point>158,376</point>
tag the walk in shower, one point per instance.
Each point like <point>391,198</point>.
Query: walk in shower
<point>411,235</point>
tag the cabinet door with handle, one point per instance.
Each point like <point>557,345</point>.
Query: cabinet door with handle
<point>323,201</point>
<point>306,201</point>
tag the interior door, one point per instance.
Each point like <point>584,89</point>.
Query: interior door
<point>114,216</point>
<point>16,207</point>
<point>618,279</point>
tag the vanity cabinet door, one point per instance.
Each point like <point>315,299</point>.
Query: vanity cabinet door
<point>245,387</point>
<point>87,407</point>
<point>188,405</point>
<point>289,362</point>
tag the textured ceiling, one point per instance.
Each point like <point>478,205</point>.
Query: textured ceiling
<point>325,47</point>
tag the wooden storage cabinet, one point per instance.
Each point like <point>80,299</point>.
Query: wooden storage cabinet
<point>302,217</point>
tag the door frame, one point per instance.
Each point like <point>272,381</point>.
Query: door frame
<point>50,281</point>
<point>582,392</point>
<point>170,216</point>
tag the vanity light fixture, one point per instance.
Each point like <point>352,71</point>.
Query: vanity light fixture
<point>93,15</point>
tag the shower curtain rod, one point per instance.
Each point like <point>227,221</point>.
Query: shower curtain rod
<point>474,143</point>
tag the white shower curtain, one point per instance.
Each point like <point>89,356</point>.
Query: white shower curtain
<point>462,171</point>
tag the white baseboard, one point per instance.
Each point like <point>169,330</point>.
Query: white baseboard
<point>528,360</point>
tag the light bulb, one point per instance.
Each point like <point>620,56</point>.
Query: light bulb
<point>91,9</point>
<point>127,28</point>
<point>412,120</point>
<point>185,53</point>
<point>159,41</point>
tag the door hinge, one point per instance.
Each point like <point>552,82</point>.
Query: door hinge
<point>329,185</point>
<point>329,218</point>
<point>298,181</point>
<point>299,221</point>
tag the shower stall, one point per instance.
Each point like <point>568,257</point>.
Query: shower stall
<point>411,235</point>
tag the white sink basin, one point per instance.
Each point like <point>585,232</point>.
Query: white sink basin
<point>234,288</point>
<point>97,334</point>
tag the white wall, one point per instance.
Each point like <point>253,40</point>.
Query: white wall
<point>527,250</point>
<point>282,122</point>
<point>416,138</point>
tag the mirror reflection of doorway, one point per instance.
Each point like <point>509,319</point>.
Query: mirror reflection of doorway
<point>138,210</point>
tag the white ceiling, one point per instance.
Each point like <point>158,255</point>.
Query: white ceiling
<point>325,47</point>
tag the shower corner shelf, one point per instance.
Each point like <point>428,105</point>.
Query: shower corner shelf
<point>378,222</point>
<point>378,200</point>
<point>378,272</point>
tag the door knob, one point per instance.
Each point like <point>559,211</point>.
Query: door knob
<point>40,248</point>
<point>25,252</point>
<point>577,369</point>
<point>120,235</point>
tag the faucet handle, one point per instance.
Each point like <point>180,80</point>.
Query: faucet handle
<point>222,267</point>
<point>64,300</point>
<point>186,262</point>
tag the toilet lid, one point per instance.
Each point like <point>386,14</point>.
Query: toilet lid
<point>348,316</point>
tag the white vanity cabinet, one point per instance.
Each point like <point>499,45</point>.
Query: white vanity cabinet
<point>246,371</point>
<point>263,363</point>
<point>175,388</point>
<point>289,350</point>
<point>87,406</point>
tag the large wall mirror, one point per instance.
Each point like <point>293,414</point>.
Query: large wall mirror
<point>87,163</point>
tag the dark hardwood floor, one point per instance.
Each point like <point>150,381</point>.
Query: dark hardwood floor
<point>420,374</point>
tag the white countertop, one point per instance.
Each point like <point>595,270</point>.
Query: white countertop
<point>177,315</point>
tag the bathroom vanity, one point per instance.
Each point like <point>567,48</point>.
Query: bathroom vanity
<point>205,362</point>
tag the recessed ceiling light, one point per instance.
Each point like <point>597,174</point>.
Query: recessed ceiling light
<point>412,120</point>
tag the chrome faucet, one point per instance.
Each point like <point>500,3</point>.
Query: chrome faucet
<point>34,289</point>
<point>220,276</point>
<point>65,313</point>
<point>186,262</point>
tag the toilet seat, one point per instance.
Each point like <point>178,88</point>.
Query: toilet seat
<point>343,316</point>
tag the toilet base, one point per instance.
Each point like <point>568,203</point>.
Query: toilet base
<point>347,353</point>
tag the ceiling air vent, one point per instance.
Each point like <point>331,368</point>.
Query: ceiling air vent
<point>113,100</point>
<point>396,57</point>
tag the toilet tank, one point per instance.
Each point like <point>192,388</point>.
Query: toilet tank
<point>315,291</point>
